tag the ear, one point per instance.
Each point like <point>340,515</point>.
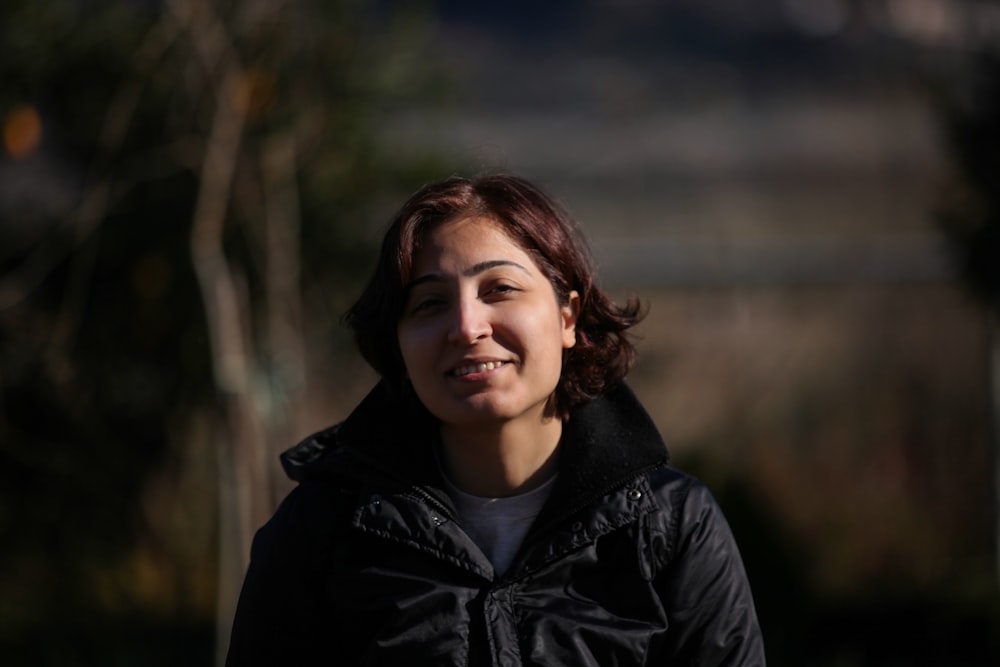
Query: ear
<point>569,311</point>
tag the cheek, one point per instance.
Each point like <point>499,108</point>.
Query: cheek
<point>548,340</point>
<point>414,343</point>
<point>406,342</point>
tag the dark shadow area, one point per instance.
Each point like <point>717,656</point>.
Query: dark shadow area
<point>882,628</point>
<point>116,642</point>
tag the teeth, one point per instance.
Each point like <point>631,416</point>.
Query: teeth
<point>478,368</point>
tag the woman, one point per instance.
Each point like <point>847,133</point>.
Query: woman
<point>500,497</point>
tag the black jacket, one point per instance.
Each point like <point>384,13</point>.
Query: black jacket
<point>630,562</point>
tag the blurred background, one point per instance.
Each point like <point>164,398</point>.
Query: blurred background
<point>804,192</point>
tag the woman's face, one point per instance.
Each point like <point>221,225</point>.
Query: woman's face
<point>482,332</point>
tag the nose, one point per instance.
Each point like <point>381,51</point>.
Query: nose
<point>470,321</point>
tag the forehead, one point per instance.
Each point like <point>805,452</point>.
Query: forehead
<point>466,240</point>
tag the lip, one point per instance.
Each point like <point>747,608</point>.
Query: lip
<point>469,369</point>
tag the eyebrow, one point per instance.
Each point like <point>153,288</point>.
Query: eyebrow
<point>473,270</point>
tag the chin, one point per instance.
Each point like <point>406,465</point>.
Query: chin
<point>486,411</point>
<point>478,415</point>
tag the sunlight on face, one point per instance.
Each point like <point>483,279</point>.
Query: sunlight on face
<point>482,333</point>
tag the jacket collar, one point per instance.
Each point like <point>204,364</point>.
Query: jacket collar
<point>605,443</point>
<point>389,432</point>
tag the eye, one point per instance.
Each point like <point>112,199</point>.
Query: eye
<point>425,304</point>
<point>500,290</point>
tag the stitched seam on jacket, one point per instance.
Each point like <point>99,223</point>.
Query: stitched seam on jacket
<point>423,548</point>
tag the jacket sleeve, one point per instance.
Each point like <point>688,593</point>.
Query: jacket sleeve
<point>704,587</point>
<point>277,609</point>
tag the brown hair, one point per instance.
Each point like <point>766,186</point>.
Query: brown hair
<point>603,353</point>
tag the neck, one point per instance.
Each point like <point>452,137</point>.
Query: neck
<point>496,462</point>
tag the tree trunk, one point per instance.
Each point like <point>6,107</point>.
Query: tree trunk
<point>244,499</point>
<point>286,348</point>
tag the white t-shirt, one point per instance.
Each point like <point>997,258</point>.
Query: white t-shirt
<point>498,525</point>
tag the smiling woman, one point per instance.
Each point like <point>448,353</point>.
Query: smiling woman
<point>482,336</point>
<point>500,497</point>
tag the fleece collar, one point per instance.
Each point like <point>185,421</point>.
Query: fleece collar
<point>605,443</point>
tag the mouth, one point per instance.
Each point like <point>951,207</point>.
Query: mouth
<point>480,367</point>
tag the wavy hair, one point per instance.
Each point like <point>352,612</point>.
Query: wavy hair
<point>603,353</point>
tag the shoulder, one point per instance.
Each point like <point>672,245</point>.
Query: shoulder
<point>678,492</point>
<point>700,575</point>
<point>686,514</point>
<point>282,605</point>
<point>306,521</point>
